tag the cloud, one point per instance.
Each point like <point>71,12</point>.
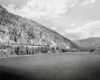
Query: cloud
<point>43,8</point>
<point>72,24</point>
<point>91,29</point>
<point>86,2</point>
<point>74,3</point>
<point>12,8</point>
<point>54,28</point>
<point>91,6</point>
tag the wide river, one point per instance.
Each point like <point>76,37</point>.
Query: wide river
<point>67,66</point>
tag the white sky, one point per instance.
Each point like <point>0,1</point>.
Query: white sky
<point>74,19</point>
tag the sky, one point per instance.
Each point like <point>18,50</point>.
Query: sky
<point>74,19</point>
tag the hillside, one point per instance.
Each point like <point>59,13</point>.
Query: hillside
<point>16,30</point>
<point>89,42</point>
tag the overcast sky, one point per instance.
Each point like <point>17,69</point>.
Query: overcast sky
<point>74,19</point>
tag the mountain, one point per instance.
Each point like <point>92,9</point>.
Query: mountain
<point>89,42</point>
<point>18,30</point>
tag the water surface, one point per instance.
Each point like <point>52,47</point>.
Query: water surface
<point>67,66</point>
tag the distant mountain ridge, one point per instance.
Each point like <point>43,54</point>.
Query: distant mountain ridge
<point>18,30</point>
<point>89,42</point>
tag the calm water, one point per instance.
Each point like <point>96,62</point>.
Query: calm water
<point>67,66</point>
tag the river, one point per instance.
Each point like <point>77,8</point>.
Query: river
<point>67,66</point>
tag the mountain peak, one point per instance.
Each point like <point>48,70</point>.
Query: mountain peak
<point>1,8</point>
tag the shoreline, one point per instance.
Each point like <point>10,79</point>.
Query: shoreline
<point>15,56</point>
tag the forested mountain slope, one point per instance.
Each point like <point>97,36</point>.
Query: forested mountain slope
<point>18,30</point>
